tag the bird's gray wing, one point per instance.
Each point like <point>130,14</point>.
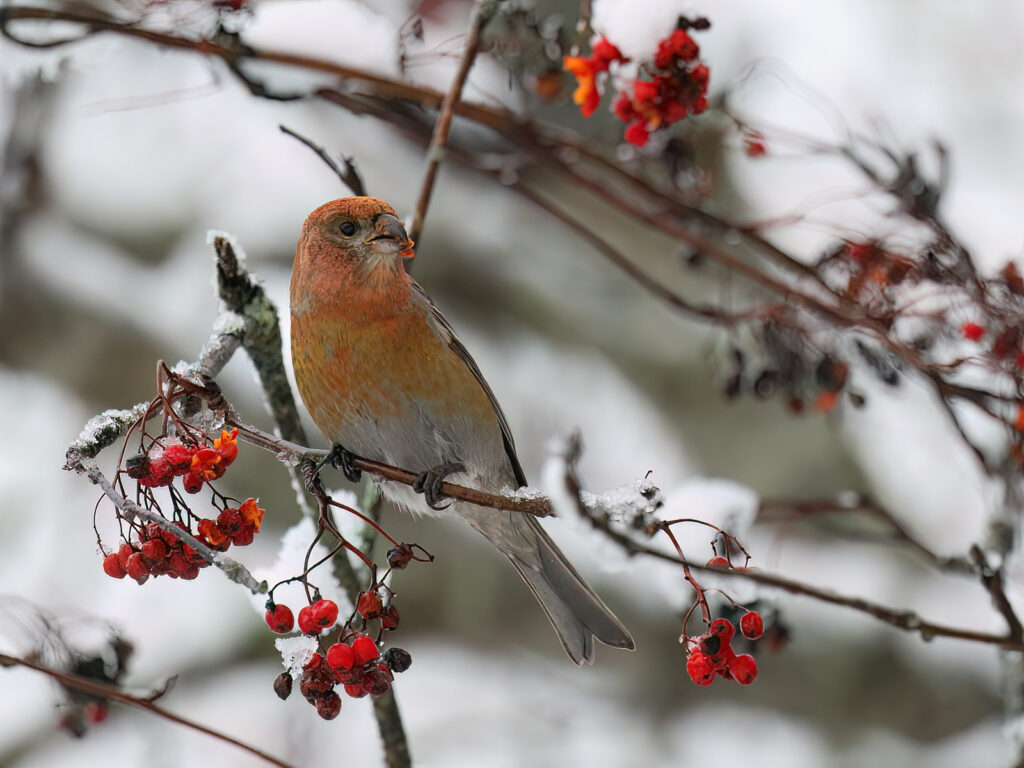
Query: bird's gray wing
<point>444,331</point>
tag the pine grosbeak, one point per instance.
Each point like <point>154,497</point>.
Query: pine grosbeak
<point>384,376</point>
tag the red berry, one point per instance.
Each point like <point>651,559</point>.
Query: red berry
<point>112,567</point>
<point>190,573</point>
<point>95,711</point>
<point>137,567</point>
<point>752,625</point>
<point>365,649</point>
<point>700,75</point>
<point>355,690</point>
<point>637,134</point>
<point>346,676</point>
<point>341,656</point>
<point>154,549</point>
<point>192,482</point>
<point>684,45</point>
<point>369,605</point>
<point>244,536</point>
<point>280,619</point>
<point>743,669</point>
<point>389,619</point>
<point>325,613</point>
<point>170,539</point>
<point>623,108</point>
<point>123,554</point>
<point>723,629</point>
<point>378,680</point>
<point>700,668</point>
<point>230,521</point>
<point>178,456</point>
<point>606,51</point>
<point>328,706</point>
<point>718,562</point>
<point>645,92</point>
<point>307,625</point>
<point>972,331</point>
<point>314,662</point>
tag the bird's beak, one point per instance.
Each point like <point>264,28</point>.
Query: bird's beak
<point>388,230</point>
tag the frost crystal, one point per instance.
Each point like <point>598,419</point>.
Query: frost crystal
<point>295,652</point>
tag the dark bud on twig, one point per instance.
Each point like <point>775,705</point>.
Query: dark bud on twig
<point>399,557</point>
<point>397,659</point>
<point>764,386</point>
<point>283,685</point>
<point>137,466</point>
<point>698,24</point>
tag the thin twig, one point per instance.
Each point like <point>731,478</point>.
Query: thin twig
<point>113,693</point>
<point>866,505</point>
<point>992,579</point>
<point>435,152</point>
<point>347,172</point>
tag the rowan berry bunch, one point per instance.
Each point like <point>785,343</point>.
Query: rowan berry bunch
<point>349,657</point>
<point>711,655</point>
<point>149,549</point>
<point>668,87</point>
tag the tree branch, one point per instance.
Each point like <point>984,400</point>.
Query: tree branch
<point>113,693</point>
<point>435,152</point>
<point>346,172</point>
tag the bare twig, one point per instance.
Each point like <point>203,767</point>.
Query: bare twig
<point>435,152</point>
<point>901,619</point>
<point>346,172</point>
<point>992,579</point>
<point>110,692</point>
<point>861,503</point>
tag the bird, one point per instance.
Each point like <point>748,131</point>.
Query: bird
<point>384,377</point>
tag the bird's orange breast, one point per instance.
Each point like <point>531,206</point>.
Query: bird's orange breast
<point>359,358</point>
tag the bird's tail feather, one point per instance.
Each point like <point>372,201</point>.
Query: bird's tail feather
<point>575,611</point>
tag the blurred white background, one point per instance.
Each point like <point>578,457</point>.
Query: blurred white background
<point>106,269</point>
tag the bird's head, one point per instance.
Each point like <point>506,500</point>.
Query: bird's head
<point>362,235</point>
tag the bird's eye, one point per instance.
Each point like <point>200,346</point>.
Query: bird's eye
<point>347,228</point>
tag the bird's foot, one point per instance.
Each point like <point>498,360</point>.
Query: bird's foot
<point>429,483</point>
<point>340,458</point>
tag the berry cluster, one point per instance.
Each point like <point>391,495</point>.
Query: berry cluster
<point>677,88</point>
<point>817,384</point>
<point>711,654</point>
<point>150,549</point>
<point>586,70</point>
<point>1003,344</point>
<point>159,552</point>
<point>195,464</point>
<point>354,661</point>
<point>675,85</point>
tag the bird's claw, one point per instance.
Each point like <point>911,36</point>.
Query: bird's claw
<point>429,484</point>
<point>341,458</point>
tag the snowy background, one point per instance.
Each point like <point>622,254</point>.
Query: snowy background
<point>143,150</point>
